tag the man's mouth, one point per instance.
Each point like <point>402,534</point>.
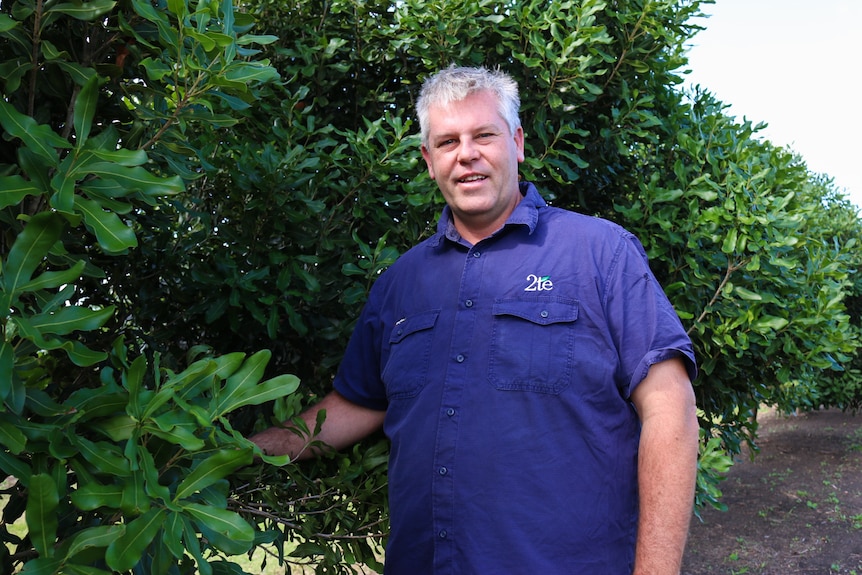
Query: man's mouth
<point>473,178</point>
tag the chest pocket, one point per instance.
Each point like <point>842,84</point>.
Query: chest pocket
<point>406,370</point>
<point>532,344</point>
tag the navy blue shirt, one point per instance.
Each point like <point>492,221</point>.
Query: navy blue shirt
<point>505,369</point>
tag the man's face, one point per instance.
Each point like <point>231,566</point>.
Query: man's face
<point>474,158</point>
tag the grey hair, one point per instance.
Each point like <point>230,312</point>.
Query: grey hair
<point>455,83</point>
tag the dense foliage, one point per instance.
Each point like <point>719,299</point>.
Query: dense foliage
<point>174,200</point>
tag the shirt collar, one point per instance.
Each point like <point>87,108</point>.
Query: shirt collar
<point>526,213</point>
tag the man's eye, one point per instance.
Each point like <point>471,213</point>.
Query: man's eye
<point>444,143</point>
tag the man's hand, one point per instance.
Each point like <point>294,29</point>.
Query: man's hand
<point>345,424</point>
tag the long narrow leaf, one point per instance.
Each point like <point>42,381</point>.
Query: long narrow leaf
<point>85,109</point>
<point>11,437</point>
<point>138,178</point>
<point>234,533</point>
<point>39,138</point>
<point>92,495</point>
<point>80,354</point>
<point>13,189</point>
<point>30,248</point>
<point>13,466</point>
<point>7,367</point>
<point>128,549</point>
<point>94,537</point>
<point>42,566</point>
<point>42,502</point>
<point>112,234</point>
<point>193,546</point>
<point>86,11</point>
<point>212,469</point>
<point>49,280</point>
<point>275,388</point>
<point>71,318</point>
<point>106,457</point>
<point>241,381</point>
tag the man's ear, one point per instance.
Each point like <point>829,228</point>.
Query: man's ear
<point>519,143</point>
<point>427,156</point>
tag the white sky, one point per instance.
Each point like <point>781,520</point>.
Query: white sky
<point>796,65</point>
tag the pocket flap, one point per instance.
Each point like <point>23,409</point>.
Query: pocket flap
<point>542,311</point>
<point>406,326</point>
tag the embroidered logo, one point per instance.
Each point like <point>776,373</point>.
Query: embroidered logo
<point>539,283</point>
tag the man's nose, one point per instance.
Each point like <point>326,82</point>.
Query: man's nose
<point>468,151</point>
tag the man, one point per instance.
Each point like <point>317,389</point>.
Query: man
<point>532,377</point>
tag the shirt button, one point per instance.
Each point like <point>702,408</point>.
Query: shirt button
<point>443,534</point>
<point>443,471</point>
<point>460,358</point>
<point>544,313</point>
<point>477,254</point>
<point>468,303</point>
<point>450,412</point>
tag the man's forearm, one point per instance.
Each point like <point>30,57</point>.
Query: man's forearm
<point>667,476</point>
<point>345,424</point>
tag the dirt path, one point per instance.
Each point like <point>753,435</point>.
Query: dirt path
<point>796,509</point>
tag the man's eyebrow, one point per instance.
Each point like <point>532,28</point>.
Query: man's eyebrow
<point>484,128</point>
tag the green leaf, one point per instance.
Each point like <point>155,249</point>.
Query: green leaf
<point>134,500</point>
<point>275,388</point>
<point>113,235</point>
<point>247,72</point>
<point>42,566</point>
<point>193,547</point>
<point>117,428</point>
<point>105,457</point>
<point>667,196</point>
<point>204,40</point>
<point>7,367</point>
<point>769,323</point>
<point>71,318</point>
<point>42,503</point>
<point>213,468</point>
<point>729,244</point>
<point>85,109</point>
<point>30,247</point>
<point>121,157</point>
<point>7,23</point>
<point>13,189</point>
<point>178,8</point>
<point>242,388</point>
<point>173,538</point>
<point>156,69</point>
<point>39,138</point>
<point>138,178</point>
<point>124,553</point>
<point>63,183</point>
<point>55,279</point>
<point>154,489</point>
<point>86,11</point>
<point>92,495</point>
<point>178,429</point>
<point>94,537</point>
<point>252,39</point>
<point>75,569</point>
<point>226,530</point>
<point>15,467</point>
<point>99,402</point>
<point>747,294</point>
<point>11,437</point>
<point>80,74</point>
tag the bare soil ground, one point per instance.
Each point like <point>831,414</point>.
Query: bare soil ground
<point>795,509</point>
